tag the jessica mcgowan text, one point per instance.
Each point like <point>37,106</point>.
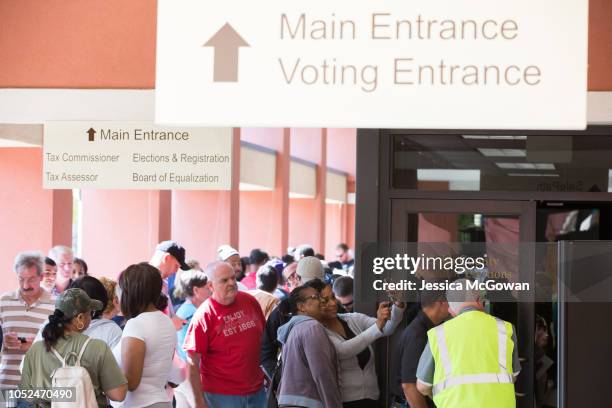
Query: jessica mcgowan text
<point>489,285</point>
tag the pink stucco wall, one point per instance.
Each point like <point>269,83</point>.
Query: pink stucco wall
<point>78,43</point>
<point>301,223</point>
<point>200,222</point>
<point>333,229</point>
<point>306,144</point>
<point>342,150</point>
<point>256,222</point>
<point>26,210</point>
<point>119,228</point>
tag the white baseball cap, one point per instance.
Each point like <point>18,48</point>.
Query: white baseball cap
<point>225,251</point>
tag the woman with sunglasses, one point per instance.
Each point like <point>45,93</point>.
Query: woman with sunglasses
<point>310,367</point>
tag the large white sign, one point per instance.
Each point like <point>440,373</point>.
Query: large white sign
<point>133,155</point>
<point>491,64</point>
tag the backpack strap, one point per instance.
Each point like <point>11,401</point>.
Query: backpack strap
<point>59,357</point>
<point>78,362</point>
<point>72,353</point>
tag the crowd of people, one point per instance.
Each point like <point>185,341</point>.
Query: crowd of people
<point>254,331</point>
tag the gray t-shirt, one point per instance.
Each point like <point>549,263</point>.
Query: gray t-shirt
<point>426,367</point>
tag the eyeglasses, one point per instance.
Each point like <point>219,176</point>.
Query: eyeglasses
<point>313,297</point>
<point>348,304</point>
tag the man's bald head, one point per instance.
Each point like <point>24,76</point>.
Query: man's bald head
<point>222,282</point>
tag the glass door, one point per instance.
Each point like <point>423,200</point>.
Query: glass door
<point>576,269</point>
<point>500,230</point>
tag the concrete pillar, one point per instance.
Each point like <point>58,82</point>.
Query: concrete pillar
<point>280,200</point>
<point>229,201</point>
<point>61,224</point>
<point>319,211</point>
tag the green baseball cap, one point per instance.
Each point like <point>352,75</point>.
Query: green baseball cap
<point>74,301</point>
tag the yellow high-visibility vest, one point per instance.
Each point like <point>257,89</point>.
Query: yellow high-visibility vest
<point>473,362</point>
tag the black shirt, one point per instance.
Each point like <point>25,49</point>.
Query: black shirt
<point>364,356</point>
<point>269,344</point>
<point>410,347</point>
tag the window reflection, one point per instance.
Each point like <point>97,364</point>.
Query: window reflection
<point>502,163</point>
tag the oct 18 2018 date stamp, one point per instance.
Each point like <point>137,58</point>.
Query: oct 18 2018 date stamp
<point>59,394</point>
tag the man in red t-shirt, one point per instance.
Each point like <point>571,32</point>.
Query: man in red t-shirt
<point>223,343</point>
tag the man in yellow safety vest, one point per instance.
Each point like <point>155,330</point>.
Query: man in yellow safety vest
<point>471,361</point>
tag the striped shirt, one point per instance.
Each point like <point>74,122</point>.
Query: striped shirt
<point>16,316</point>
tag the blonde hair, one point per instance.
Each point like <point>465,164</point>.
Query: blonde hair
<point>110,286</point>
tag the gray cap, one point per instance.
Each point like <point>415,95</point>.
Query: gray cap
<point>74,301</point>
<point>310,268</point>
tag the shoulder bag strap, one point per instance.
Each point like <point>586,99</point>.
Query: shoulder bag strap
<point>78,361</point>
<point>59,357</point>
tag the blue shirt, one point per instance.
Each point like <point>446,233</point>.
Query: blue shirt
<point>185,312</point>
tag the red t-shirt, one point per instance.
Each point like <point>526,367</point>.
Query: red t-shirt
<point>249,281</point>
<point>228,338</point>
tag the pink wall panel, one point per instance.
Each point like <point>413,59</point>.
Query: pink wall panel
<point>350,226</point>
<point>78,43</point>
<point>600,45</point>
<point>301,222</point>
<point>25,210</point>
<point>342,150</point>
<point>306,144</point>
<point>333,229</point>
<point>119,229</point>
<point>199,223</point>
<point>256,211</point>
